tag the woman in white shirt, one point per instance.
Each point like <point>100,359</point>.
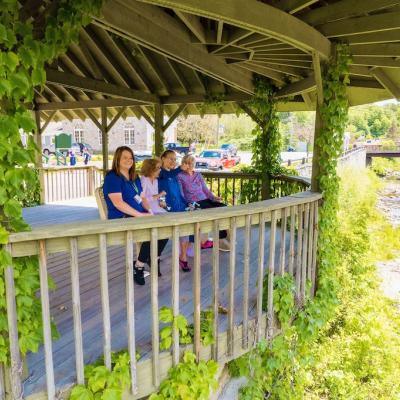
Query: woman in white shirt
<point>149,180</point>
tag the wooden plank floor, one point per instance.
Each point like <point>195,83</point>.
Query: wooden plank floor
<point>60,299</point>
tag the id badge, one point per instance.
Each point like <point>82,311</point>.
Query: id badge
<point>138,198</point>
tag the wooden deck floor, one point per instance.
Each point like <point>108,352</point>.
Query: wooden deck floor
<point>60,299</point>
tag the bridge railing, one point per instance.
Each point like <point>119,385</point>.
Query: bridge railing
<point>293,219</point>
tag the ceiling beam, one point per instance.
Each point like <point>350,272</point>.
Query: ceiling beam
<point>356,26</point>
<point>201,98</point>
<point>375,61</point>
<point>117,17</point>
<point>84,104</point>
<point>257,17</point>
<point>344,9</point>
<point>274,75</point>
<point>374,37</point>
<point>194,25</point>
<point>93,85</point>
<point>380,50</point>
<point>386,82</point>
<point>303,86</point>
<point>293,6</point>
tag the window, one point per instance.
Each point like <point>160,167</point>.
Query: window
<point>78,135</point>
<point>100,137</point>
<point>129,134</point>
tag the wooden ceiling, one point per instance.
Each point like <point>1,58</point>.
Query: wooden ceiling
<point>140,52</point>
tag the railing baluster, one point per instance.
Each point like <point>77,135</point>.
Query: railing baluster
<point>215,265</point>
<point>226,190</point>
<point>105,300</point>
<point>175,292</point>
<point>304,252</point>
<point>232,262</point>
<point>260,273</point>
<point>44,297</point>
<point>219,187</point>
<point>241,191</point>
<point>196,291</point>
<point>299,247</point>
<point>310,242</point>
<point>315,247</point>
<point>16,365</point>
<point>246,273</point>
<point>282,254</point>
<point>76,309</point>
<point>2,383</point>
<point>130,308</point>
<point>233,192</point>
<point>271,273</point>
<point>292,238</point>
<point>154,307</point>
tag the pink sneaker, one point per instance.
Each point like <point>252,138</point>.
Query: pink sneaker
<point>208,244</point>
<point>184,265</point>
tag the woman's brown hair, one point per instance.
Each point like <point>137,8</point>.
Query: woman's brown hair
<point>166,152</point>
<point>117,159</point>
<point>149,166</point>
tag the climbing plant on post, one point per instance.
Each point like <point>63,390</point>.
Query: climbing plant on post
<point>26,46</point>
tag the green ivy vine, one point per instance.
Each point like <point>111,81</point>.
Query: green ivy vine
<point>266,145</point>
<point>213,102</point>
<point>27,45</point>
<point>275,370</point>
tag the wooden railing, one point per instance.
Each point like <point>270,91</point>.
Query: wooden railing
<point>65,183</point>
<point>292,244</point>
<point>242,188</point>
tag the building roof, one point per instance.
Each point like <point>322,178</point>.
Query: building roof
<point>178,52</point>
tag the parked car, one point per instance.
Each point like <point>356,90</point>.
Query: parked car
<point>77,148</point>
<point>231,148</point>
<point>215,160</point>
<point>177,148</point>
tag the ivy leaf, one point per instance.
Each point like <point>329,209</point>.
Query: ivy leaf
<point>26,122</point>
<point>38,77</point>
<point>81,392</point>
<point>112,394</point>
<point>165,332</point>
<point>3,235</point>
<point>3,33</point>
<point>99,379</point>
<point>11,60</point>
<point>12,208</point>
<point>166,315</point>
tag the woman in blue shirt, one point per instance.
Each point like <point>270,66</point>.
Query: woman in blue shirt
<point>123,194</point>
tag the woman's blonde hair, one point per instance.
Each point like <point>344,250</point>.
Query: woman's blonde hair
<point>188,158</point>
<point>149,166</point>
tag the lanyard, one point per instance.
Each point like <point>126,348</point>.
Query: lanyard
<point>135,188</point>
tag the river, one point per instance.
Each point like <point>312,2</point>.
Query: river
<point>389,204</point>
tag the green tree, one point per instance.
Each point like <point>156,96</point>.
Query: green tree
<point>194,128</point>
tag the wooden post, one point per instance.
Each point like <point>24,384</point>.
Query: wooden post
<point>38,158</point>
<point>318,125</point>
<point>158,129</point>
<point>104,135</point>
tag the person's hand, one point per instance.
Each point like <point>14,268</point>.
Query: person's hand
<point>219,199</point>
<point>163,193</point>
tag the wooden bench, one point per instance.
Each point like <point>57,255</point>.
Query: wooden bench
<point>101,202</point>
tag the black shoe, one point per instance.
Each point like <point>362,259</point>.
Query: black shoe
<point>138,275</point>
<point>159,270</point>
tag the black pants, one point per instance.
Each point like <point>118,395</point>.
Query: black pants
<point>144,253</point>
<point>207,203</point>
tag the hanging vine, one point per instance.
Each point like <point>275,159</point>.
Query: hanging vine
<point>277,370</point>
<point>267,139</point>
<point>26,46</point>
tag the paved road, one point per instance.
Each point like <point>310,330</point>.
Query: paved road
<point>245,156</point>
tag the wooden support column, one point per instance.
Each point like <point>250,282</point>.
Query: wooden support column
<point>104,141</point>
<point>318,125</point>
<point>158,129</point>
<point>38,159</point>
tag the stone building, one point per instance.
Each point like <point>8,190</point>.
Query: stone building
<point>133,132</point>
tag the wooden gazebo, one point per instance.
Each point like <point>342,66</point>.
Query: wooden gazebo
<point>151,58</point>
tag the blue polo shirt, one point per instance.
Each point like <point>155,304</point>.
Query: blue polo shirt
<point>114,183</point>
<point>167,181</point>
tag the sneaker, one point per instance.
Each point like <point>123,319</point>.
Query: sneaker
<point>184,266</point>
<point>138,275</point>
<point>190,251</point>
<point>224,245</point>
<point>208,244</point>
